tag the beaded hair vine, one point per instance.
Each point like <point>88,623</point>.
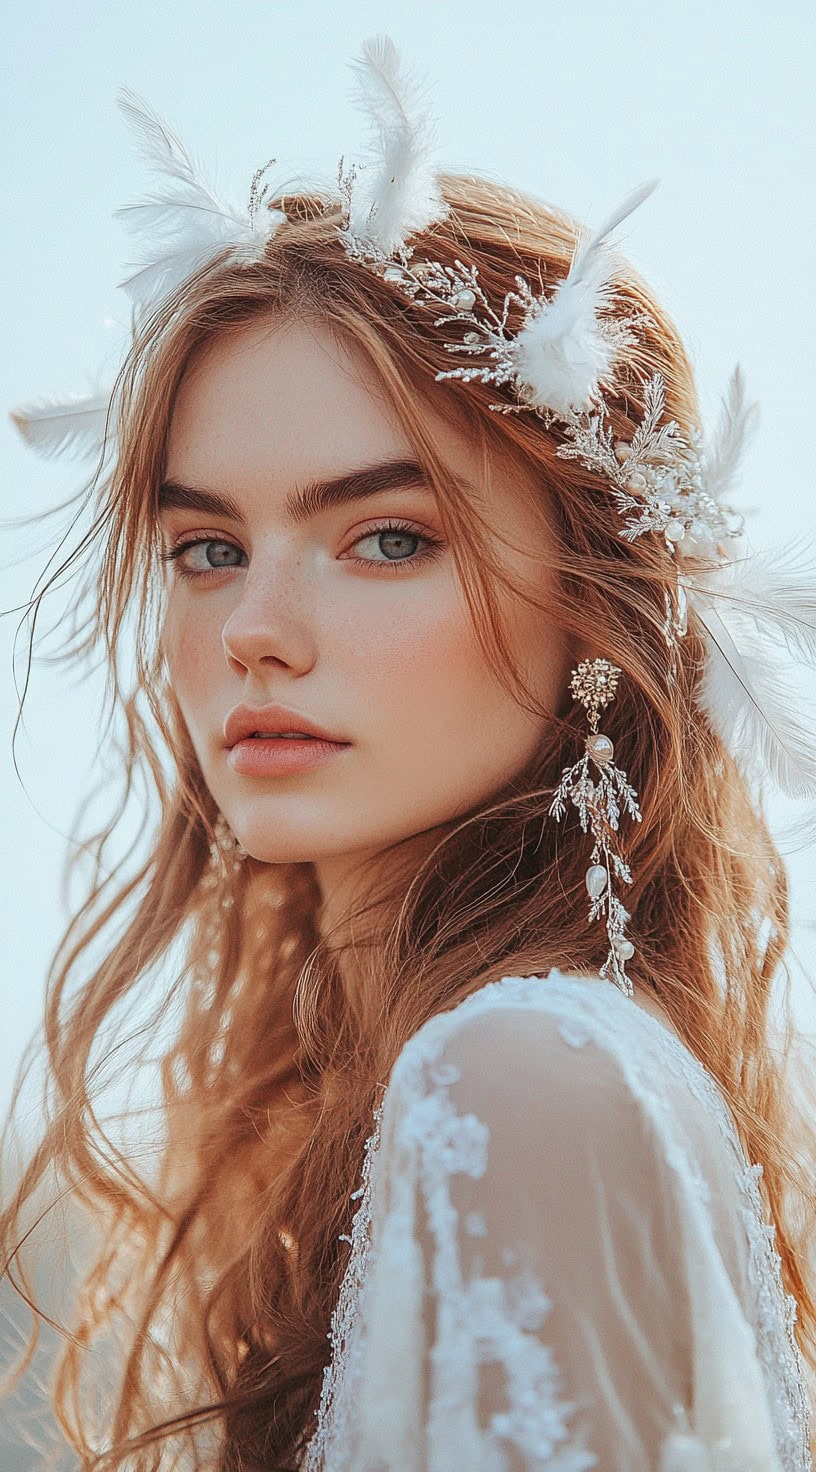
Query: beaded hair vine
<point>755,612</point>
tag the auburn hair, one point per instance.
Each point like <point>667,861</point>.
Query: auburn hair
<point>197,1325</point>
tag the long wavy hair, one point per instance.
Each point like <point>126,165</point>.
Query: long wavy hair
<point>209,1274</point>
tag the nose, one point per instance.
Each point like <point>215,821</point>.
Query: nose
<point>269,625</point>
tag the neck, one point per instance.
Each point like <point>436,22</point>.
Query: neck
<point>361,893</point>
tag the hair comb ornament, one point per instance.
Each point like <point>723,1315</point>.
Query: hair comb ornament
<point>756,613</point>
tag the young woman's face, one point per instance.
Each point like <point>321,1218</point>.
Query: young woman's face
<point>350,615</point>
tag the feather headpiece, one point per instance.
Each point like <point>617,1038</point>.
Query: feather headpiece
<point>395,193</point>
<point>183,224</point>
<point>756,613</point>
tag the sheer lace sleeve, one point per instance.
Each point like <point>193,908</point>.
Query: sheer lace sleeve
<point>559,1275</point>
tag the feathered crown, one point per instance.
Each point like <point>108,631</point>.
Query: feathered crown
<point>757,611</point>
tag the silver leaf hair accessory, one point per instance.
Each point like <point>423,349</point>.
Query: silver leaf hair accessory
<point>567,345</point>
<point>756,615</point>
<point>598,801</point>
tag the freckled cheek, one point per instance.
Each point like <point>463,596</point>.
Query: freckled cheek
<point>192,646</point>
<point>420,670</point>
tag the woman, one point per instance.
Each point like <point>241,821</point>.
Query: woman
<point>425,664</point>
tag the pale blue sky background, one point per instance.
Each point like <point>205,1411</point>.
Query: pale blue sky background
<point>578,101</point>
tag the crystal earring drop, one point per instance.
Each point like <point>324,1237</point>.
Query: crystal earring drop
<point>598,801</point>
<point>226,857</point>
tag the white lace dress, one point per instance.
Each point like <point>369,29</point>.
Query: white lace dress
<point>560,1258</point>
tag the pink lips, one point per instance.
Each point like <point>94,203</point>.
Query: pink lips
<point>257,756</point>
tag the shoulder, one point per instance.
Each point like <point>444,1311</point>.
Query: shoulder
<point>521,1023</point>
<point>538,1001</point>
<point>572,1058</point>
<point>562,1086</point>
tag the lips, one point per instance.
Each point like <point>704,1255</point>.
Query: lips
<point>245,720</point>
<point>283,757</point>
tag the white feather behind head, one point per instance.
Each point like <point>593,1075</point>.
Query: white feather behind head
<point>566,349</point>
<point>75,424</point>
<point>758,617</point>
<point>753,696</point>
<point>396,192</point>
<point>184,224</point>
<point>739,419</point>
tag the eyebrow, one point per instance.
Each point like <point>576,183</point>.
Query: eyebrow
<point>308,500</point>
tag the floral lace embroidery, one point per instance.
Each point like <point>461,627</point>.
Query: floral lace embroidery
<point>331,1411</point>
<point>499,1316</point>
<point>483,1320</point>
<point>774,1310</point>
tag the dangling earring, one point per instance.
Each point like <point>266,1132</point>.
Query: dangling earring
<point>226,857</point>
<point>599,803</point>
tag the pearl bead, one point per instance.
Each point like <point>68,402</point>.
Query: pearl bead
<point>392,273</point>
<point>674,530</point>
<point>601,748</point>
<point>596,880</point>
<point>623,450</point>
<point>471,337</point>
<point>623,948</point>
<point>465,300</point>
<point>636,481</point>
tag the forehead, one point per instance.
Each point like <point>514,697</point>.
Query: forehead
<point>278,393</point>
<point>284,403</point>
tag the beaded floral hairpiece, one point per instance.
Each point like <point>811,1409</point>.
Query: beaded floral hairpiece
<point>756,612</point>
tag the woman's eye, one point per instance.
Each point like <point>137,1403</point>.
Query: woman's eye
<point>212,556</point>
<point>397,543</point>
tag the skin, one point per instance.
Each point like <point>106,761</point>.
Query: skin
<point>386,659</point>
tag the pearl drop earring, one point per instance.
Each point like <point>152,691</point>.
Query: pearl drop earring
<point>598,802</point>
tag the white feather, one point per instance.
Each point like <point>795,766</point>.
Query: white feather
<point>560,353</point>
<point>156,278</point>
<point>589,247</point>
<point>184,225</point>
<point>564,352</point>
<point>55,426</point>
<point>775,588</point>
<point>762,718</point>
<point>156,140</point>
<point>396,193</point>
<point>738,421</point>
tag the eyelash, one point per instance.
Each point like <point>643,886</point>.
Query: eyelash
<point>431,550</point>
